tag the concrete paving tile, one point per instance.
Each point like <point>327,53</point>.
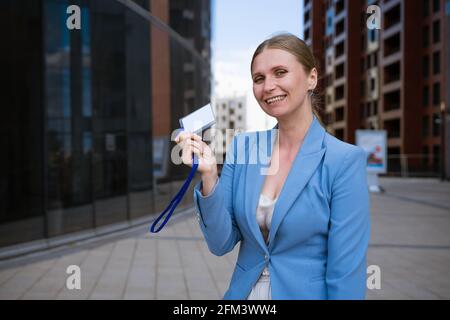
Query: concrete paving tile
<point>409,241</point>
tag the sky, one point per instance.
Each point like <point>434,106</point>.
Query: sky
<point>239,26</point>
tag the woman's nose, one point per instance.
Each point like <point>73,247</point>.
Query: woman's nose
<point>269,84</point>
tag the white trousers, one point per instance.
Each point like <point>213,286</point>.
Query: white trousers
<point>261,290</point>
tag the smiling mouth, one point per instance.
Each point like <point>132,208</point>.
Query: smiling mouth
<point>275,99</point>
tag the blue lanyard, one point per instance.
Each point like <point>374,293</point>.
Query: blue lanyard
<point>176,200</point>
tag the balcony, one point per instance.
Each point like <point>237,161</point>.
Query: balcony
<point>391,73</point>
<point>392,17</point>
<point>392,100</point>
<point>339,6</point>
<point>339,71</point>
<point>393,128</point>
<point>339,93</point>
<point>340,49</point>
<point>340,28</point>
<point>392,45</point>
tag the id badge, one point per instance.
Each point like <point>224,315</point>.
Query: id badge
<point>199,120</point>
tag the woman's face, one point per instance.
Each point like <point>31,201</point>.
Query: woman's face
<point>280,84</point>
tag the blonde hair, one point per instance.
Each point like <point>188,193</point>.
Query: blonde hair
<point>304,55</point>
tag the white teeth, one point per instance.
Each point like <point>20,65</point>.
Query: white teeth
<point>274,99</point>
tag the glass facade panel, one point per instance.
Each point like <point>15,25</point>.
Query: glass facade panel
<point>87,136</point>
<point>22,183</point>
<point>69,121</point>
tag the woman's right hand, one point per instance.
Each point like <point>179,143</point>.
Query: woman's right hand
<point>207,165</point>
<point>192,143</point>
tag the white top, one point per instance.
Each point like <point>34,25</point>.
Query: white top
<point>262,290</point>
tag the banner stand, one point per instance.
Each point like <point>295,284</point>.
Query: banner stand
<point>374,143</point>
<point>372,181</point>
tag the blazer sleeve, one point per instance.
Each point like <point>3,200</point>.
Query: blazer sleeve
<point>215,211</point>
<point>349,229</point>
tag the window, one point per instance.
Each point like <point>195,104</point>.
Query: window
<point>362,112</point>
<point>330,18</point>
<point>425,36</point>
<point>372,84</point>
<point>436,94</point>
<point>340,27</point>
<point>436,62</point>
<point>426,8</point>
<point>425,126</point>
<point>392,100</point>
<point>339,49</point>
<point>307,16</point>
<point>424,155</point>
<point>339,113</point>
<point>436,125</point>
<point>436,157</point>
<point>436,31</point>
<point>392,72</point>
<point>375,107</point>
<point>339,71</point>
<point>425,96</point>
<point>339,93</point>
<point>392,16</point>
<point>392,44</point>
<point>367,109</point>
<point>372,35</point>
<point>340,5</point>
<point>436,5</point>
<point>393,128</point>
<point>307,34</point>
<point>339,134</point>
<point>425,66</point>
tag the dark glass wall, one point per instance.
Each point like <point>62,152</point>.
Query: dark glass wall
<point>78,149</point>
<point>22,212</point>
<point>68,120</point>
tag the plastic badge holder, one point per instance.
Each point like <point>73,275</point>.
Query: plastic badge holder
<point>195,122</point>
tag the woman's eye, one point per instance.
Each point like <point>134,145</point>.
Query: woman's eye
<point>257,80</point>
<point>280,72</point>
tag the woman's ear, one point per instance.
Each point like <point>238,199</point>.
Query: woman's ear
<point>312,79</point>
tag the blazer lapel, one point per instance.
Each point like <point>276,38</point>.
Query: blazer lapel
<point>305,164</point>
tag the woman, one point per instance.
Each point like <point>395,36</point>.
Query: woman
<point>302,220</point>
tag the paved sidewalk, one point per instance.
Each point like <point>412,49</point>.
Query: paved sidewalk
<point>410,242</point>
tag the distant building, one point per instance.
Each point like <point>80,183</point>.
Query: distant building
<point>392,79</point>
<point>230,116</point>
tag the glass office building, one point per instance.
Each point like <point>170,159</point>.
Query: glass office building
<point>87,113</point>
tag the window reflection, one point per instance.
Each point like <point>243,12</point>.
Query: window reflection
<point>86,141</point>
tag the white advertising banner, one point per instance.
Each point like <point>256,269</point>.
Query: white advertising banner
<point>374,143</point>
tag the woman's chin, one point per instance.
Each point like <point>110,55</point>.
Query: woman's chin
<point>276,111</point>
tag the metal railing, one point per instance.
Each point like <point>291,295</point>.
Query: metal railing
<point>414,165</point>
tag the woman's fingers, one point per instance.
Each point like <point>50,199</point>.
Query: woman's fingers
<point>197,144</point>
<point>187,151</point>
<point>192,144</point>
<point>187,135</point>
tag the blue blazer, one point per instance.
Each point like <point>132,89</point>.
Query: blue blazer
<point>320,226</point>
